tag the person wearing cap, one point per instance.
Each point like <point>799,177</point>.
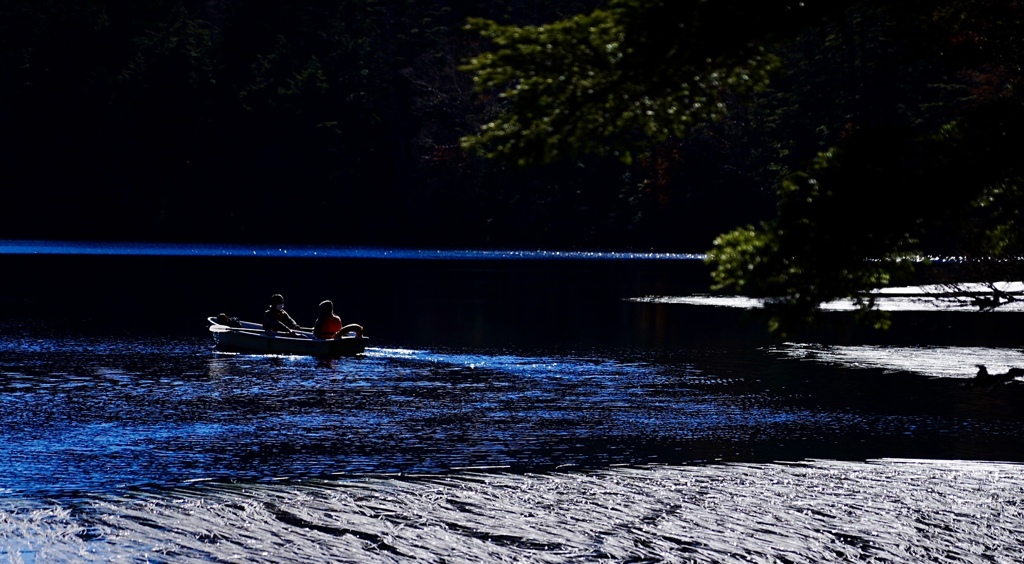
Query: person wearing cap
<point>276,319</point>
<point>328,325</point>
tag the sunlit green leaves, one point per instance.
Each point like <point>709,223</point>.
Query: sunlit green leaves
<point>587,84</point>
<point>919,102</point>
<point>861,217</point>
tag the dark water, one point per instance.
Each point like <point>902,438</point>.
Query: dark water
<point>533,367</point>
<point>108,379</point>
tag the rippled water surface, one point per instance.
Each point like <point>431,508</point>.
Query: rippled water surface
<point>813,511</point>
<point>524,410</point>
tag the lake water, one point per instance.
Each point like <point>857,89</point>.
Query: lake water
<point>516,406</point>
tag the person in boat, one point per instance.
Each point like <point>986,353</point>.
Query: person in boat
<point>328,325</point>
<point>276,319</point>
<point>223,319</point>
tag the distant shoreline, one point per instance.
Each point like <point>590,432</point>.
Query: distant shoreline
<point>38,247</point>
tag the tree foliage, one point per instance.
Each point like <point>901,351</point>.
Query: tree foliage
<point>206,119</point>
<point>891,128</point>
<point>651,124</point>
<point>936,178</point>
<point>608,81</point>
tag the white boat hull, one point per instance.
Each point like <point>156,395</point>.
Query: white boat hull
<point>251,338</point>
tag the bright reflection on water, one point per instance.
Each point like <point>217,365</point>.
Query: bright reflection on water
<point>936,361</point>
<point>898,299</point>
<point>515,410</point>
<point>175,451</point>
<point>12,247</point>
<point>94,414</point>
<point>815,511</point>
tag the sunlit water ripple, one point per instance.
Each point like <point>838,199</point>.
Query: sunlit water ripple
<point>606,429</point>
<point>812,511</point>
<point>476,456</point>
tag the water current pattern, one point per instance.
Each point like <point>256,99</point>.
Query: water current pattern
<point>528,409</point>
<point>812,511</point>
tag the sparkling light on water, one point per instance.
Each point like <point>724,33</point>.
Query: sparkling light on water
<point>526,413</point>
<point>12,247</point>
<point>936,361</point>
<point>905,299</point>
<point>814,511</point>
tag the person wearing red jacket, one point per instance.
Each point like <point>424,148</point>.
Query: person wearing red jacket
<point>328,325</point>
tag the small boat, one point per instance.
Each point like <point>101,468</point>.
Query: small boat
<point>250,337</point>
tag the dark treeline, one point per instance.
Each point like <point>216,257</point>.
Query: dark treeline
<point>337,122</point>
<point>327,121</point>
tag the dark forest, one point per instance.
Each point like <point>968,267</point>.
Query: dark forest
<point>339,123</point>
